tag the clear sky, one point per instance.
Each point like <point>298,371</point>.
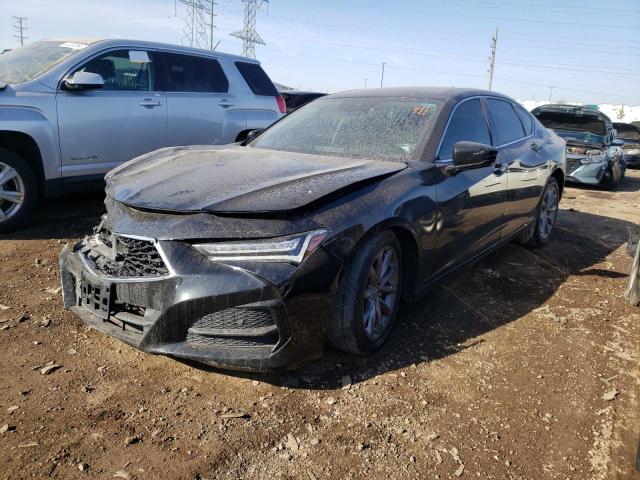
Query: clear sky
<point>588,50</point>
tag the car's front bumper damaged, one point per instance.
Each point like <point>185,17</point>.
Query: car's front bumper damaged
<point>166,298</point>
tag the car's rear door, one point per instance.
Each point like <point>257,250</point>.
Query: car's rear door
<point>471,202</point>
<point>523,158</point>
<point>201,100</point>
<point>127,117</point>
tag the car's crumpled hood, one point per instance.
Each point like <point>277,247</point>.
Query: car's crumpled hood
<point>234,179</point>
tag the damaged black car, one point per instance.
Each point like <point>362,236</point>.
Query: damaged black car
<point>255,256</point>
<point>594,156</point>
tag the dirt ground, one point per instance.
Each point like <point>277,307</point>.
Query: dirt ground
<point>523,366</point>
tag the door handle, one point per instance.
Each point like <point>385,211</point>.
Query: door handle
<point>535,147</point>
<point>147,102</point>
<point>225,103</point>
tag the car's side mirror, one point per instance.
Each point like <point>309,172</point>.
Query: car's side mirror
<point>616,142</point>
<point>469,155</point>
<point>83,81</point>
<point>252,134</point>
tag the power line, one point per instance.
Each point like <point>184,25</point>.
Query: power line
<point>248,34</point>
<point>492,58</point>
<point>20,28</point>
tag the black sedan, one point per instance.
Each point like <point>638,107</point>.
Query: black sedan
<point>254,256</point>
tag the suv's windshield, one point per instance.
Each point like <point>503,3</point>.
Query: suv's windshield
<point>575,123</point>
<point>26,63</point>
<point>384,128</point>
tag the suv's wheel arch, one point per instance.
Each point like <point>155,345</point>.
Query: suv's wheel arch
<point>27,149</point>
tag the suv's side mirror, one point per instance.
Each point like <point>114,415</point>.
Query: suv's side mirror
<point>252,134</point>
<point>468,155</point>
<point>83,81</point>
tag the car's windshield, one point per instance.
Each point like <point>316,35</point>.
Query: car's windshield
<point>372,127</point>
<point>627,132</point>
<point>28,62</point>
<point>572,122</point>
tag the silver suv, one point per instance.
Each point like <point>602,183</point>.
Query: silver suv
<point>73,109</point>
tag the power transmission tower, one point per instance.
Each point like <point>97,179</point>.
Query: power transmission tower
<point>248,34</point>
<point>198,25</point>
<point>492,58</point>
<point>20,29</point>
<point>382,74</point>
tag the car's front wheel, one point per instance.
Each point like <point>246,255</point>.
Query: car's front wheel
<point>368,296</point>
<point>18,191</point>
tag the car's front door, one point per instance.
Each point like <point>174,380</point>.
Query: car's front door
<point>471,202</point>
<point>127,117</point>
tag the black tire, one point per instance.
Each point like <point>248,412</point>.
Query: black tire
<point>532,237</point>
<point>30,194</point>
<point>611,177</point>
<point>346,330</point>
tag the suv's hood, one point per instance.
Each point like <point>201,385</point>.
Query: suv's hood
<point>235,179</point>
<point>582,139</point>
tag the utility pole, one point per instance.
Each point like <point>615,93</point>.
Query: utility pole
<point>550,91</point>
<point>365,83</point>
<point>492,58</point>
<point>248,34</point>
<point>20,29</point>
<point>382,75</point>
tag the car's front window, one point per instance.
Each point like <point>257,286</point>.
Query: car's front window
<point>628,132</point>
<point>373,127</point>
<point>28,62</point>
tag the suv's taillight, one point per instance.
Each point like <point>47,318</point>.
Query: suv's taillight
<point>281,104</point>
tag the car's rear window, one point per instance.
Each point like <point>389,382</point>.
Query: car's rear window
<point>189,73</point>
<point>258,81</point>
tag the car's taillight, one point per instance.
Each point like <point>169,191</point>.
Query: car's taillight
<point>281,104</point>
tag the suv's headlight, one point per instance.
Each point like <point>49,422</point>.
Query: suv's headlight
<point>291,249</point>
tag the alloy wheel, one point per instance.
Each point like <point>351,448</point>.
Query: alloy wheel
<point>11,192</point>
<point>548,212</point>
<point>380,293</point>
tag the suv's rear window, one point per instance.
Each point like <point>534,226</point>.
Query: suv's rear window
<point>188,73</point>
<point>256,78</point>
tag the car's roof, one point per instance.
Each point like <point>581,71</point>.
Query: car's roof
<point>107,42</point>
<point>434,93</point>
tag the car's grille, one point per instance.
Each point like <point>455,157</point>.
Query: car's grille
<point>236,318</point>
<point>234,327</point>
<point>118,256</point>
<point>200,341</point>
<point>572,164</point>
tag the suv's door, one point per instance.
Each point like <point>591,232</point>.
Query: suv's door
<point>127,117</point>
<point>470,202</point>
<point>200,100</point>
<point>522,156</point>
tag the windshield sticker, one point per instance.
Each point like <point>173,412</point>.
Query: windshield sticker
<point>138,56</point>
<point>73,45</point>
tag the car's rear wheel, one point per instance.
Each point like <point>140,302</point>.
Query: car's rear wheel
<point>368,296</point>
<point>18,191</point>
<point>546,217</point>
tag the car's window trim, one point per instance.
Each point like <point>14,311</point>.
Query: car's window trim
<point>517,106</point>
<point>448,160</point>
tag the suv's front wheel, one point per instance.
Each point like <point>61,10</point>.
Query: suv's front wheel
<point>18,191</point>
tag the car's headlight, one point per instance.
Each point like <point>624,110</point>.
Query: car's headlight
<point>291,249</point>
<point>593,159</point>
